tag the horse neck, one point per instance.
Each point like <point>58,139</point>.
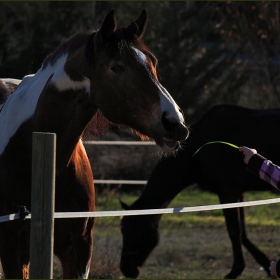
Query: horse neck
<point>170,177</point>
<point>56,99</point>
<point>65,113</point>
<point>75,48</point>
<point>65,105</point>
<point>159,193</point>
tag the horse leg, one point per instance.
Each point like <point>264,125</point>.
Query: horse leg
<point>259,256</point>
<point>14,252</point>
<point>75,251</point>
<point>234,231</point>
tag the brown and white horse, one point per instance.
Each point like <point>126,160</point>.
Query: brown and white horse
<point>109,71</point>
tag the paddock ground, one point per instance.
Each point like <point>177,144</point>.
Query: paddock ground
<point>190,252</point>
<point>185,253</point>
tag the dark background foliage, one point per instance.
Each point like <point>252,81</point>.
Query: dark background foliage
<point>208,52</point>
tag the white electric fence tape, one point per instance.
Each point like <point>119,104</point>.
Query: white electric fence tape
<point>9,217</point>
<point>149,211</point>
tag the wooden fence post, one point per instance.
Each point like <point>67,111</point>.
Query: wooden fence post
<point>42,205</point>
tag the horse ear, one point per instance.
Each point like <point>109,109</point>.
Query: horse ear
<point>124,205</point>
<point>139,26</point>
<point>109,25</point>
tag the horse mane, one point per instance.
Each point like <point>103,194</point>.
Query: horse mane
<point>120,39</point>
<point>74,42</point>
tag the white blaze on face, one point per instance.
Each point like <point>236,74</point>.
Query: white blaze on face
<point>168,104</point>
<point>21,105</point>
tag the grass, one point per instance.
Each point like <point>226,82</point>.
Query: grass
<point>187,239</point>
<point>264,215</point>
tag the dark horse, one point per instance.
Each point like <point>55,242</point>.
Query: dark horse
<point>109,71</point>
<point>217,168</point>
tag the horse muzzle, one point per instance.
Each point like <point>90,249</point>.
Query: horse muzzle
<point>174,133</point>
<point>130,270</point>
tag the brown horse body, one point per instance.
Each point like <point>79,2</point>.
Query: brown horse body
<point>109,71</point>
<point>217,168</point>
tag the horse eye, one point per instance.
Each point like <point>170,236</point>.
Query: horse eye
<point>118,68</point>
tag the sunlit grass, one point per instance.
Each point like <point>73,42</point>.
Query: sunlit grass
<point>264,215</point>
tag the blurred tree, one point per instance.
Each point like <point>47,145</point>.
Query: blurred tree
<point>219,52</point>
<point>209,52</point>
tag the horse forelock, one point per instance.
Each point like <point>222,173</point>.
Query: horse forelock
<point>122,40</point>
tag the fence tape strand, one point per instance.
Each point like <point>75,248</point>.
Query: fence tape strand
<point>9,217</point>
<point>149,211</point>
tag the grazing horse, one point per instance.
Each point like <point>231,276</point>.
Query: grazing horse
<point>217,168</point>
<point>109,71</point>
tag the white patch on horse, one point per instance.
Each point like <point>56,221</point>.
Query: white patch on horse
<point>168,104</point>
<point>63,82</point>
<point>21,105</point>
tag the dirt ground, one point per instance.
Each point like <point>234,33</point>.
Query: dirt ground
<point>185,253</point>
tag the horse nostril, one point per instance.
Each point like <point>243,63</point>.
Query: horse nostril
<point>176,130</point>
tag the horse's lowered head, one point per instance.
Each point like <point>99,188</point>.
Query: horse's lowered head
<point>125,85</point>
<point>140,237</point>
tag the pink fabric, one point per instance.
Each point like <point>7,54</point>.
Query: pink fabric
<point>270,173</point>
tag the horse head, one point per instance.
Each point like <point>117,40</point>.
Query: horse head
<point>125,85</point>
<point>140,237</point>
